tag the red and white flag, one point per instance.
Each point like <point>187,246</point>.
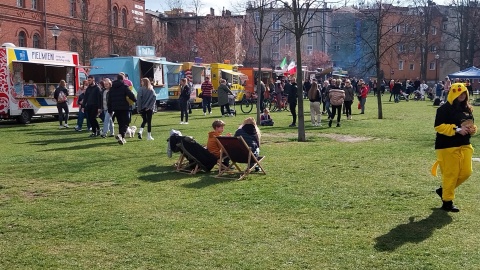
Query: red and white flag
<point>292,68</point>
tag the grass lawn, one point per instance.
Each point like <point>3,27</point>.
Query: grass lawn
<point>355,197</point>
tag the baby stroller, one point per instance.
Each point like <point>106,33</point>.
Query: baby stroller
<point>231,102</point>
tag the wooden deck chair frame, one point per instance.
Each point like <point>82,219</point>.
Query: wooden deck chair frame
<point>237,150</point>
<point>194,157</point>
<point>184,165</point>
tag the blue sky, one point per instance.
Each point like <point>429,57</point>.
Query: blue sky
<point>161,5</point>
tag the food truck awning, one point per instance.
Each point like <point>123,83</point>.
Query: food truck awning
<point>232,72</point>
<point>53,64</point>
<point>171,67</point>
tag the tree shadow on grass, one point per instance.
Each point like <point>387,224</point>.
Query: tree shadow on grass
<point>412,232</point>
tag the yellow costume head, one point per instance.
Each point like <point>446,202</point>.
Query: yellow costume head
<point>456,90</point>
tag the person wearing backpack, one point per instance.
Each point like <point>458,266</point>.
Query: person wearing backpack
<point>61,96</point>
<point>183,100</point>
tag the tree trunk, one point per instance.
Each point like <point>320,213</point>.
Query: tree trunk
<point>298,38</point>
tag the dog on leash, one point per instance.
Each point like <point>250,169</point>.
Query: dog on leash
<point>131,131</point>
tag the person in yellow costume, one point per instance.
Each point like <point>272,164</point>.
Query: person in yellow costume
<point>454,126</point>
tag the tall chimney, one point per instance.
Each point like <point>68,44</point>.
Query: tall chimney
<point>212,11</point>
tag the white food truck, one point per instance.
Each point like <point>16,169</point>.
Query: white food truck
<point>28,78</point>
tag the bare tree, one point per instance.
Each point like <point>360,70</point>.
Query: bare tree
<point>381,37</point>
<point>303,13</point>
<point>466,32</point>
<point>90,26</point>
<point>259,26</point>
<point>215,39</point>
<point>175,4</point>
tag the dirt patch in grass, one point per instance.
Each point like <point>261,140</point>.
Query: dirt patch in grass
<point>336,137</point>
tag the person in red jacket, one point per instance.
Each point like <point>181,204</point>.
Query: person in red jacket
<point>363,97</point>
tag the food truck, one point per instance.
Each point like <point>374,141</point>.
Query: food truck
<point>164,75</point>
<point>235,80</point>
<point>29,77</point>
<point>252,73</point>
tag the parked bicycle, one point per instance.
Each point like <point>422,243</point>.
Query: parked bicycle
<point>249,101</point>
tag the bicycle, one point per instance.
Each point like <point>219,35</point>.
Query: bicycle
<point>274,105</point>
<point>249,102</point>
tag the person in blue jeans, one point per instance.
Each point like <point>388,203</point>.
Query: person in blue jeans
<point>81,115</point>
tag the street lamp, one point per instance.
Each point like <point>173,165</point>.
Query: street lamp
<point>55,33</point>
<point>436,67</point>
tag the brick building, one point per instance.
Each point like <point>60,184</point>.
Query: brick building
<point>91,28</point>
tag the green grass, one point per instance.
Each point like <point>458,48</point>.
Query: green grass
<point>71,202</point>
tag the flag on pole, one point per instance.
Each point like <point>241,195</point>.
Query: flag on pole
<point>292,68</point>
<point>283,65</point>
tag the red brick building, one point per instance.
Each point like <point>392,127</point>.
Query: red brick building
<point>91,28</point>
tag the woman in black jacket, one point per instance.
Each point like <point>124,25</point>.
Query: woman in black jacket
<point>183,100</point>
<point>117,103</point>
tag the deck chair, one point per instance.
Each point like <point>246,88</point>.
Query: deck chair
<point>237,150</point>
<point>193,157</point>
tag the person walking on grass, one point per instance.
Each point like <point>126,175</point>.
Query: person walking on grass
<point>146,99</point>
<point>183,100</point>
<point>107,118</point>
<point>337,96</point>
<point>349,97</point>
<point>223,93</point>
<point>93,103</point>
<point>117,103</point>
<point>207,89</point>
<point>61,96</point>
<point>454,126</point>
<point>315,98</point>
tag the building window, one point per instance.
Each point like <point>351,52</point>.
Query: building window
<point>445,26</point>
<point>434,30</point>
<point>309,32</point>
<point>400,65</point>
<point>34,4</point>
<point>36,41</point>
<point>115,16</point>
<point>124,18</point>
<point>412,66</point>
<point>336,47</point>
<point>433,48</point>
<point>21,3</point>
<point>22,39</point>
<point>432,66</point>
<point>73,45</point>
<point>337,29</point>
<point>257,16</point>
<point>397,28</point>
<point>275,39</point>
<point>413,48</point>
<point>275,22</point>
<point>85,10</point>
<point>401,48</point>
<point>73,8</point>
<point>275,56</point>
<point>309,49</point>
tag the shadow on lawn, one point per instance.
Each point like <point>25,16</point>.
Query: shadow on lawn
<point>154,173</point>
<point>413,232</point>
<point>207,180</point>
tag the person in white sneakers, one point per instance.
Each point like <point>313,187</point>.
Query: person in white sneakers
<point>146,99</point>
<point>183,100</point>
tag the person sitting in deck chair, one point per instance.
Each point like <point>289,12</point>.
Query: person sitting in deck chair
<point>250,133</point>
<point>212,144</point>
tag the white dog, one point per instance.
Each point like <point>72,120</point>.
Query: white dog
<point>131,131</point>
